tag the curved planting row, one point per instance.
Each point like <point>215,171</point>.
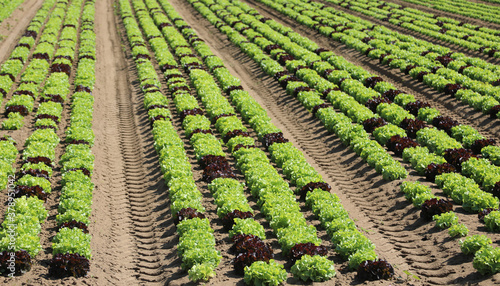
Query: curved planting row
<point>13,66</point>
<point>71,244</point>
<point>473,198</point>
<point>453,31</point>
<point>44,62</point>
<point>196,241</point>
<point>476,10</point>
<point>471,80</point>
<point>349,242</point>
<point>27,213</point>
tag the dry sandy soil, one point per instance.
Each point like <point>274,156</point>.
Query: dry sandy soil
<point>133,235</point>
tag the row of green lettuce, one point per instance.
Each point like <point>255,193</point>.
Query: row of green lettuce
<point>13,66</point>
<point>33,77</point>
<point>71,245</point>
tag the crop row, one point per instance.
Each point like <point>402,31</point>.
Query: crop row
<point>445,29</point>
<point>12,68</point>
<point>7,7</point>
<point>476,10</point>
<point>44,63</point>
<point>470,80</point>
<point>71,245</point>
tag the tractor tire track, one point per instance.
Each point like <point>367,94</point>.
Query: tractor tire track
<point>131,198</point>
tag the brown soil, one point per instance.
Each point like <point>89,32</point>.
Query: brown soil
<point>133,235</point>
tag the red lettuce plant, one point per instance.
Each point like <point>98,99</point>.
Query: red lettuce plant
<point>434,207</point>
<point>69,264</point>
<point>375,270</point>
<point>433,170</point>
<point>301,249</point>
<point>22,262</point>
<point>187,213</point>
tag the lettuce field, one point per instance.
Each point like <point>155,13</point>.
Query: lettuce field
<point>250,142</point>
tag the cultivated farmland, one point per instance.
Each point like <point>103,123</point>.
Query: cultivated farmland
<point>250,142</point>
